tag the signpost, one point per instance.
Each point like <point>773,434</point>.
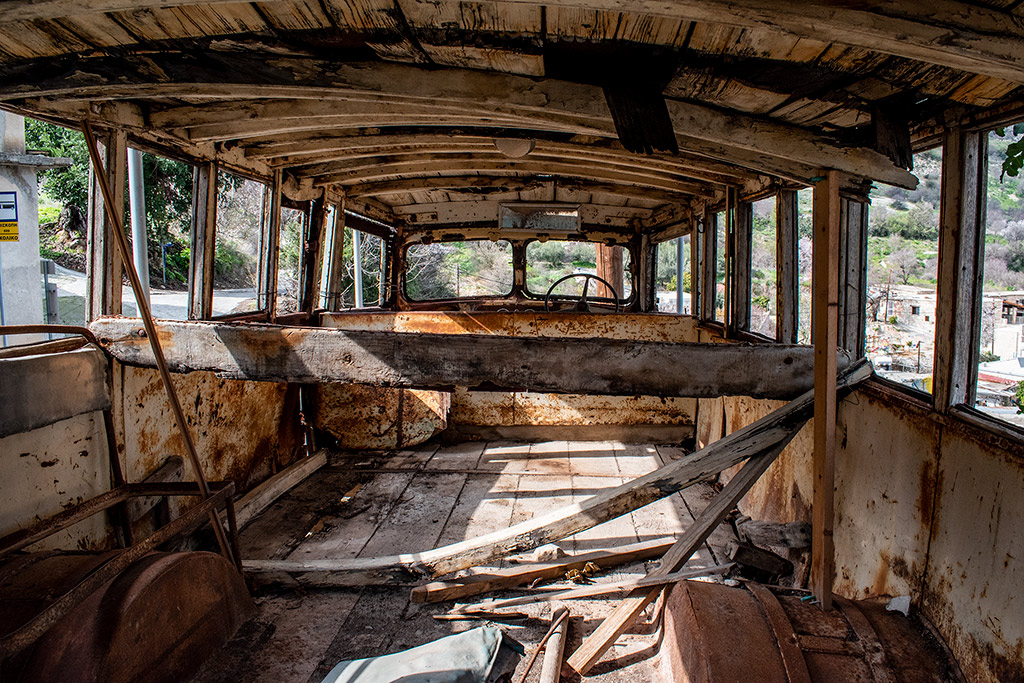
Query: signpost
<point>8,217</point>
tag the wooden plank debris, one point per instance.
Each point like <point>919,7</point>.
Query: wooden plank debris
<point>752,440</point>
<point>440,591</point>
<point>550,671</point>
<point>442,361</point>
<point>263,496</point>
<point>592,649</point>
<point>651,580</point>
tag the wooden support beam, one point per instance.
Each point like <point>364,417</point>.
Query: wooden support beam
<point>34,391</point>
<point>312,252</point>
<point>336,259</point>
<point>594,647</point>
<point>249,506</point>
<point>961,252</point>
<point>269,251</point>
<point>744,443</point>
<point>520,575</point>
<point>787,258</point>
<point>204,226</point>
<point>441,361</point>
<point>104,266</point>
<point>826,341</point>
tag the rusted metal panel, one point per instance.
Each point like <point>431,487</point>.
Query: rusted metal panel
<point>976,558</point>
<point>640,327</point>
<point>380,417</point>
<point>236,425</point>
<point>492,408</point>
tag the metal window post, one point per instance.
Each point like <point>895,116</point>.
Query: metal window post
<point>357,266</point>
<point>137,209</point>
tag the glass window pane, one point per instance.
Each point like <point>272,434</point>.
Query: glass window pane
<point>903,254</point>
<point>720,237</point>
<point>666,276</point>
<point>548,262</point>
<point>238,241</point>
<point>445,270</point>
<point>763,272</point>
<point>1000,386</point>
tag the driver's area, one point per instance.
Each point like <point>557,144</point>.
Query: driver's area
<point>497,273</point>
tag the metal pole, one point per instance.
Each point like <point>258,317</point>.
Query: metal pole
<point>679,275</point>
<point>357,266</point>
<point>137,208</point>
<point>151,334</point>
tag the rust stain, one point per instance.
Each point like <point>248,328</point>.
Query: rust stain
<point>929,483</point>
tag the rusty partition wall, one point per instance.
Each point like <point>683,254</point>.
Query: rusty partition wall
<point>925,507</point>
<point>491,411</point>
<point>244,431</point>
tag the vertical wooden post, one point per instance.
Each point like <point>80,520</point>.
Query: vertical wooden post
<point>708,286</point>
<point>204,225</point>
<point>105,267</point>
<point>787,286</point>
<point>336,258</point>
<point>312,252</point>
<point>741,265</point>
<point>696,260</point>
<point>609,267</point>
<point>961,240</point>
<point>825,312</point>
<point>270,251</point>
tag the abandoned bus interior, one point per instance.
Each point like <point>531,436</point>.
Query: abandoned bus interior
<point>556,358</point>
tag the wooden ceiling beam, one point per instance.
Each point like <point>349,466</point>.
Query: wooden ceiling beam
<point>501,184</point>
<point>486,211</point>
<point>946,32</point>
<point>470,166</point>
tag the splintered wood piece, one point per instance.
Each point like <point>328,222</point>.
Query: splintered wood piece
<point>596,589</point>
<point>439,591</point>
<point>263,496</point>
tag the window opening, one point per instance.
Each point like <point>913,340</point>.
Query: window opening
<point>289,259</point>
<point>902,272</point>
<point>667,284</point>
<point>763,268</point>
<point>805,260</point>
<point>1000,388</point>
<point>547,262</point>
<point>238,243</point>
<point>448,270</point>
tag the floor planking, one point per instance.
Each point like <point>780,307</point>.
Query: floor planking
<point>375,503</point>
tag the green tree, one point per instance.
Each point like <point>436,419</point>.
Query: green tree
<point>64,185</point>
<point>1020,398</point>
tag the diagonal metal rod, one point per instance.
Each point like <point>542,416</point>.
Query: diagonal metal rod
<point>147,321</point>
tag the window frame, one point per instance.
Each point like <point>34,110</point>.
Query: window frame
<point>404,284</point>
<point>626,272</point>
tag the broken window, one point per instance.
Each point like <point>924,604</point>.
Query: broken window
<point>763,270</point>
<point>805,258</point>
<point>902,275</point>
<point>667,276</point>
<point>289,259</point>
<point>446,270</point>
<point>721,236</point>
<point>1000,384</point>
<point>553,260</point>
<point>238,246</point>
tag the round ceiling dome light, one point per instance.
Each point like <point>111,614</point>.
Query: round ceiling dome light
<point>515,148</point>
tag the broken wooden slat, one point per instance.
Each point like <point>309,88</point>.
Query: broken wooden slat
<point>442,361</point>
<point>263,496</point>
<point>35,388</point>
<point>592,649</point>
<point>439,591</point>
<point>550,671</point>
<point>655,580</point>
<point>754,439</point>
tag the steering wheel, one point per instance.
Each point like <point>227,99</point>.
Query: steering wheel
<point>581,305</point>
